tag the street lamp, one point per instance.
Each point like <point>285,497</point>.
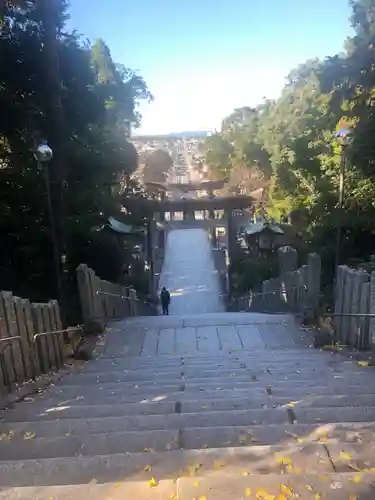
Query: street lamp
<point>43,154</point>
<point>343,136</point>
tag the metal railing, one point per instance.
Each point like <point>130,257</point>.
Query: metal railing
<point>39,361</point>
<point>362,342</point>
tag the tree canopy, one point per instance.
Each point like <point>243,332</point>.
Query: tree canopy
<point>99,98</point>
<point>292,141</point>
<point>157,165</point>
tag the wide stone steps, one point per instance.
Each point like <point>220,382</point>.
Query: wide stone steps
<point>294,458</point>
<point>349,468</point>
<point>271,413</point>
<point>218,486</point>
<point>27,445</point>
<point>84,408</point>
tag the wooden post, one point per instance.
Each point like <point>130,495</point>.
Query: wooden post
<point>14,348</point>
<point>8,373</point>
<point>40,344</point>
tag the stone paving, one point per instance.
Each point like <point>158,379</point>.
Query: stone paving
<point>207,406</point>
<point>189,273</point>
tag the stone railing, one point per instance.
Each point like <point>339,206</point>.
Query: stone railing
<point>103,301</point>
<point>354,311</point>
<point>219,256</point>
<point>295,290</point>
<point>32,340</point>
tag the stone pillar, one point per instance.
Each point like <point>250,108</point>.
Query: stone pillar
<point>364,307</point>
<point>213,237</point>
<point>372,311</point>
<point>314,266</point>
<point>150,252</point>
<point>359,278</point>
<point>288,260</point>
<point>346,320</point>
<point>339,301</point>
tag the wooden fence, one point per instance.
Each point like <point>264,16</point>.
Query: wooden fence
<point>103,301</point>
<point>354,314</point>
<point>295,291</point>
<point>31,340</point>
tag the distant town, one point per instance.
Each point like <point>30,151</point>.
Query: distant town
<point>185,149</point>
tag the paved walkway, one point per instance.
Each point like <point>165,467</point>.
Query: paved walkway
<point>189,273</point>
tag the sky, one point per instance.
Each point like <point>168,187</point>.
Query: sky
<point>203,58</point>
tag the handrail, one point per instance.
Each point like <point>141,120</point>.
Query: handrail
<point>55,332</point>
<point>122,297</point>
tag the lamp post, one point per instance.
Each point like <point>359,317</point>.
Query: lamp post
<point>43,154</point>
<point>343,136</point>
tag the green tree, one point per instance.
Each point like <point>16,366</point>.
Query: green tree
<point>96,153</point>
<point>157,165</point>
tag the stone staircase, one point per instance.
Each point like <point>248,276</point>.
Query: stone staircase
<point>215,406</point>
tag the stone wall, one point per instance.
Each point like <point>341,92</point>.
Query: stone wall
<point>354,294</point>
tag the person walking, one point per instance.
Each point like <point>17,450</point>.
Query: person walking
<point>165,299</point>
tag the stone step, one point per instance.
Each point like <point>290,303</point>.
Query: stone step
<point>299,355</point>
<point>118,395</point>
<point>230,378</point>
<point>145,422</point>
<point>38,410</point>
<point>220,371</point>
<point>287,435</point>
<point>222,389</point>
<point>166,489</point>
<point>165,465</point>
<point>350,486</point>
<point>218,486</point>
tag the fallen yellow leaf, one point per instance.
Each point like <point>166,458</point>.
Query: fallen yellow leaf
<point>282,497</point>
<point>29,435</point>
<point>345,456</point>
<point>148,450</point>
<point>218,464</point>
<point>262,494</point>
<point>317,496</point>
<point>363,363</point>
<point>292,403</point>
<point>196,484</point>
<point>244,439</point>
<point>309,487</point>
<point>283,460</point>
<point>248,492</point>
<point>6,435</point>
<point>297,470</point>
<point>357,478</point>
<point>192,469</point>
<point>147,468</point>
<point>153,483</point>
<point>286,490</point>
